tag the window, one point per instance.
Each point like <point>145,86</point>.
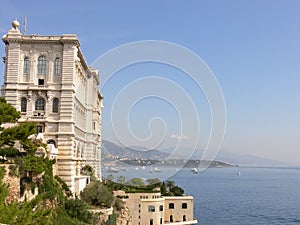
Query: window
<point>57,66</point>
<point>42,64</point>
<point>184,218</point>
<point>55,105</point>
<point>40,104</point>
<point>161,208</point>
<point>41,82</point>
<point>184,205</point>
<point>161,221</point>
<point>23,105</point>
<point>39,129</point>
<point>171,218</point>
<point>151,221</point>
<point>171,206</point>
<point>151,208</point>
<point>52,142</point>
<point>26,65</point>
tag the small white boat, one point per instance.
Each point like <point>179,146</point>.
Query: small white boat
<point>194,170</point>
<point>156,170</point>
<point>239,173</point>
<point>113,170</point>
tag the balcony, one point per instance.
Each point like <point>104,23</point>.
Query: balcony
<point>38,116</point>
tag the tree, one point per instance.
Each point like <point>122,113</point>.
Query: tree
<point>110,177</point>
<point>77,208</point>
<point>88,170</point>
<point>121,179</point>
<point>8,152</point>
<point>170,184</point>
<point>17,132</point>
<point>138,182</point>
<point>97,194</point>
<point>154,181</point>
<point>8,114</point>
<point>177,191</point>
<point>163,189</point>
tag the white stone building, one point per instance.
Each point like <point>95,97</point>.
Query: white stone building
<point>155,209</point>
<point>48,80</point>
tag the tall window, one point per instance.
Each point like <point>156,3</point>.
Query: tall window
<point>40,104</point>
<point>26,65</point>
<point>184,218</point>
<point>42,65</point>
<point>161,208</point>
<point>55,105</point>
<point>171,218</point>
<point>151,221</point>
<point>57,66</point>
<point>41,82</point>
<point>23,105</point>
<point>39,129</point>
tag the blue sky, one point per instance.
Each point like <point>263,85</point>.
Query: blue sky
<point>252,47</point>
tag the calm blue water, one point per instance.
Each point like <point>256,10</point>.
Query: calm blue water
<point>257,196</point>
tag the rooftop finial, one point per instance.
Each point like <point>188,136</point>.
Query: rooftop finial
<point>15,24</point>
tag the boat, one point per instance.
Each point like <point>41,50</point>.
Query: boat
<point>113,170</point>
<point>194,170</point>
<point>156,170</point>
<point>239,173</point>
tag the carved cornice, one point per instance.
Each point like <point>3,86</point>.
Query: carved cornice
<point>39,39</point>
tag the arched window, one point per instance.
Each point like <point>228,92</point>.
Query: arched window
<point>57,66</point>
<point>184,205</point>
<point>151,208</point>
<point>23,104</point>
<point>171,218</point>
<point>40,104</point>
<point>42,65</point>
<point>51,141</point>
<point>184,218</point>
<point>151,221</point>
<point>55,105</point>
<point>171,206</point>
<point>26,65</point>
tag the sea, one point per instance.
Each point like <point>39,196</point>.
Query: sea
<point>237,195</point>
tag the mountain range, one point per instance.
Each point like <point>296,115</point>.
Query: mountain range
<point>111,151</point>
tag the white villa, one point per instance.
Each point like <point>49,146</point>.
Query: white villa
<point>155,209</point>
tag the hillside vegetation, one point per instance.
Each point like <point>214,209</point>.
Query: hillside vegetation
<point>53,204</point>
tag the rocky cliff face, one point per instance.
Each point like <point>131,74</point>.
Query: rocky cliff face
<point>124,218</point>
<point>12,180</point>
